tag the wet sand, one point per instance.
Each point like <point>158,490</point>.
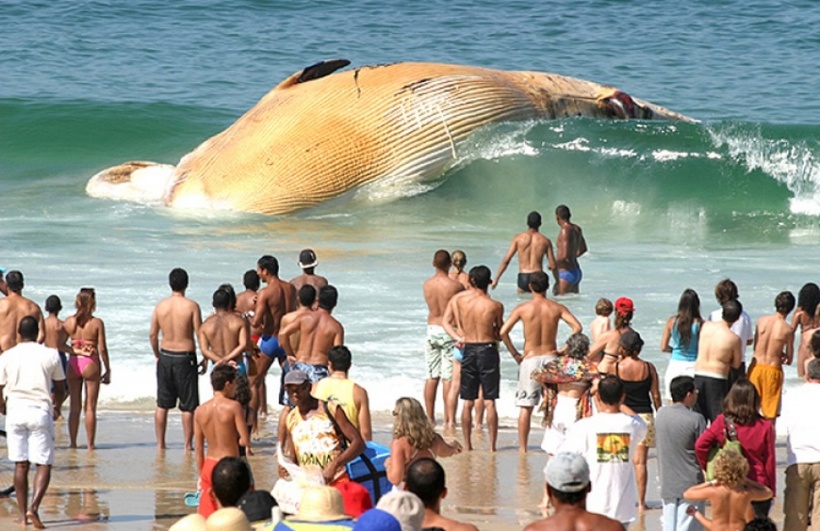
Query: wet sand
<point>126,484</point>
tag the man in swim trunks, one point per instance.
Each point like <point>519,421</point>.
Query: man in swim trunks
<point>12,310</point>
<point>568,247</point>
<point>219,422</point>
<point>224,337</point>
<point>308,263</point>
<point>540,318</point>
<point>178,319</point>
<point>532,247</point>
<point>773,346</point>
<point>480,319</point>
<point>438,351</point>
<point>272,303</point>
<point>719,350</point>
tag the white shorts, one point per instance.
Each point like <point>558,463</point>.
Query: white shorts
<point>674,369</point>
<point>30,435</point>
<point>563,416</point>
<point>528,393</point>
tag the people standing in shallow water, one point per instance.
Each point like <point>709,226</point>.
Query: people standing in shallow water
<point>568,247</point>
<point>87,358</point>
<point>308,263</point>
<point>680,337</point>
<point>459,259</point>
<point>805,322</point>
<point>12,310</point>
<point>57,338</point>
<point>531,247</point>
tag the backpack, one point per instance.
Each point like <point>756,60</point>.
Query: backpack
<point>730,443</point>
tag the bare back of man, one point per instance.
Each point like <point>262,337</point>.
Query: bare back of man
<point>12,310</point>
<point>318,332</point>
<point>480,318</point>
<point>569,246</point>
<point>246,304</point>
<point>312,279</point>
<point>531,247</point>
<point>719,349</point>
<point>178,319</point>
<point>223,337</point>
<point>221,423</point>
<point>272,303</point>
<point>575,518</point>
<point>774,341</point>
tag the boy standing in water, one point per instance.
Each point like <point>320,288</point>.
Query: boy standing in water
<point>774,345</point>
<point>56,338</point>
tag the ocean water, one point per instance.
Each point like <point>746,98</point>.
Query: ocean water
<point>86,85</point>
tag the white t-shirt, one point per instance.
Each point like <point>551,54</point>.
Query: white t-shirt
<point>803,432</point>
<point>26,373</point>
<point>608,442</point>
<point>742,328</point>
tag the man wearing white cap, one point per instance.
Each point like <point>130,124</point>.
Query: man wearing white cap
<point>568,484</point>
<point>308,263</point>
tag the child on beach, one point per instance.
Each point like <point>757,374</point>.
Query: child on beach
<point>56,338</point>
<point>731,493</point>
<point>601,324</point>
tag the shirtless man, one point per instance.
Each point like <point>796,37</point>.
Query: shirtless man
<point>719,350</point>
<point>426,479</point>
<point>12,310</point>
<point>774,346</point>
<point>219,422</point>
<point>568,247</point>
<point>223,337</point>
<point>438,352</point>
<point>272,302</point>
<point>246,304</point>
<point>531,247</point>
<point>480,319</point>
<point>540,318</point>
<point>318,331</point>
<point>178,319</point>
<point>568,484</point>
<point>308,263</point>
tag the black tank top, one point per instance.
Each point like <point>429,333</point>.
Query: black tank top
<point>637,392</point>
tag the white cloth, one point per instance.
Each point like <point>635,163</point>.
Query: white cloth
<point>608,442</point>
<point>528,393</point>
<point>742,328</point>
<point>674,369</point>
<point>802,431</point>
<point>30,434</point>
<point>563,417</point>
<point>26,373</point>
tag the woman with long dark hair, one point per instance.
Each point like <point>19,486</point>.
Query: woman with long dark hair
<point>741,415</point>
<point>680,337</point>
<point>88,356</point>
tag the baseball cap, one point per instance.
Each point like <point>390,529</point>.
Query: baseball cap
<point>624,305</point>
<point>377,520</point>
<point>257,505</point>
<point>296,378</point>
<point>405,506</point>
<point>356,498</point>
<point>567,472</point>
<point>307,259</point>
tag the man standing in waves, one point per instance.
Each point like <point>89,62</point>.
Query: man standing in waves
<point>178,319</point>
<point>480,318</point>
<point>532,247</point>
<point>27,372</point>
<point>569,246</point>
<point>438,352</point>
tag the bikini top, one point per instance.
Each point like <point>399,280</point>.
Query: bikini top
<point>637,393</point>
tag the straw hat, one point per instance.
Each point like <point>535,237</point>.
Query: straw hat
<point>228,519</point>
<point>320,504</point>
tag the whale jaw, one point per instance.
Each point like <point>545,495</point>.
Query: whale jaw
<point>137,181</point>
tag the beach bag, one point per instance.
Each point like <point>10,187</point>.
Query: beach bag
<point>368,468</point>
<point>730,442</point>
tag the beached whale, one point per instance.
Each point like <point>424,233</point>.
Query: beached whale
<point>320,133</point>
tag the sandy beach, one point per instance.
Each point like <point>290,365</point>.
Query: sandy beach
<point>125,484</point>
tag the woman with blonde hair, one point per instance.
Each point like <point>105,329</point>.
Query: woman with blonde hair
<point>414,438</point>
<point>88,355</point>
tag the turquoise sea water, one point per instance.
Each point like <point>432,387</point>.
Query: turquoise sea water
<point>86,85</point>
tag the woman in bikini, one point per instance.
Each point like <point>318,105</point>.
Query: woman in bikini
<point>88,348</point>
<point>604,351</point>
<point>413,438</point>
<point>805,318</point>
<point>457,272</point>
<point>641,393</point>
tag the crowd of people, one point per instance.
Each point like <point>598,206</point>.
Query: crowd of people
<point>603,406</point>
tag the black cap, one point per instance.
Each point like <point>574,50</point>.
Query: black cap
<point>257,505</point>
<point>307,259</point>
